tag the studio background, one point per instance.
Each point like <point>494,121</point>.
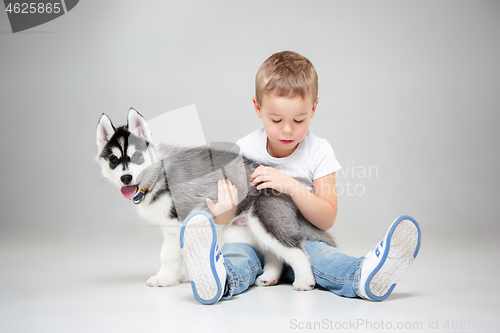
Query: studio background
<point>406,88</point>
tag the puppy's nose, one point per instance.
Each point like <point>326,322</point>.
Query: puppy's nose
<point>126,179</point>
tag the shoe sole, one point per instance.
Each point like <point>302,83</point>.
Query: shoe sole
<point>198,245</point>
<point>403,244</point>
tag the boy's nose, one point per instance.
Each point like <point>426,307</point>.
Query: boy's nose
<point>287,128</point>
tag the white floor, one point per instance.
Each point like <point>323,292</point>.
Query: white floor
<point>92,279</point>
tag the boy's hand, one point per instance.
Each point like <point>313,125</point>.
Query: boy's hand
<point>227,197</point>
<point>271,178</point>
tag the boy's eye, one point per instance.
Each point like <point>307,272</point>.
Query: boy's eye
<point>299,121</point>
<point>276,121</point>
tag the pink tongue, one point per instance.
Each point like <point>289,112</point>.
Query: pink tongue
<point>129,191</point>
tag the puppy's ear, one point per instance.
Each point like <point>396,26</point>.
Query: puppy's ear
<point>105,131</point>
<point>137,125</point>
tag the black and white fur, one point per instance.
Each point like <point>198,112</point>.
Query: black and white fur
<point>128,156</point>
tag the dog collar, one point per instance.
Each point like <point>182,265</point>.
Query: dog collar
<point>147,188</point>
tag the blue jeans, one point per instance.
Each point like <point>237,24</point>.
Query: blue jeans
<point>332,269</point>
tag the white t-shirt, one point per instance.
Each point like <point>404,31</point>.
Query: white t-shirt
<point>314,157</point>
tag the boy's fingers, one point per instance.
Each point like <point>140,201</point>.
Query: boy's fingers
<point>227,191</point>
<point>264,185</point>
<point>221,186</point>
<point>232,187</point>
<point>257,172</point>
<point>259,179</point>
<point>221,193</point>
<point>255,175</point>
<point>235,195</point>
<point>210,203</point>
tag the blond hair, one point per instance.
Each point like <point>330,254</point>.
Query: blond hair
<point>286,74</point>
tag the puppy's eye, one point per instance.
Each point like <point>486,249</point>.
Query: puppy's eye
<point>113,159</point>
<point>137,158</point>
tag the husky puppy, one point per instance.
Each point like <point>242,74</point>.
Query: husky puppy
<point>167,183</point>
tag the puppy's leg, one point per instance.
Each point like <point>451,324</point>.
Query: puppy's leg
<point>301,265</point>
<point>272,270</point>
<point>296,257</point>
<point>172,270</point>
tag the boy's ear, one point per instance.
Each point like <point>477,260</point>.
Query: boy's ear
<point>105,131</point>
<point>137,125</point>
<point>257,107</point>
<point>315,104</point>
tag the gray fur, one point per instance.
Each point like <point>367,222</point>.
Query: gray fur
<point>192,178</point>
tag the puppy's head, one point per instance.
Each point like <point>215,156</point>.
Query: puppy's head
<point>124,153</point>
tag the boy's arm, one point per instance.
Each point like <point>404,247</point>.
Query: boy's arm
<point>319,208</point>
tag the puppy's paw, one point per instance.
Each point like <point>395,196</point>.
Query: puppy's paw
<point>304,284</point>
<point>266,280</point>
<point>185,279</point>
<point>161,281</point>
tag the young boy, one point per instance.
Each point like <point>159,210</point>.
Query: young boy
<point>303,166</point>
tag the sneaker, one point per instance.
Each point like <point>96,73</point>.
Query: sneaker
<point>383,267</point>
<point>201,254</point>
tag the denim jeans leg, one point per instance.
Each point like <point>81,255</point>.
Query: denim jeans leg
<point>243,264</point>
<point>332,269</point>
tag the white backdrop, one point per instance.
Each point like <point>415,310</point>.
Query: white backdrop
<point>408,90</point>
<point>408,99</point>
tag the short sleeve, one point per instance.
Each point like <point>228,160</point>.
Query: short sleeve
<point>237,148</point>
<point>243,147</point>
<point>250,145</point>
<point>324,161</point>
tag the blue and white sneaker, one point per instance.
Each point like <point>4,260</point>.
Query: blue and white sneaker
<point>201,254</point>
<point>383,267</point>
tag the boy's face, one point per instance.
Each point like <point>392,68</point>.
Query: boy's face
<point>286,121</point>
